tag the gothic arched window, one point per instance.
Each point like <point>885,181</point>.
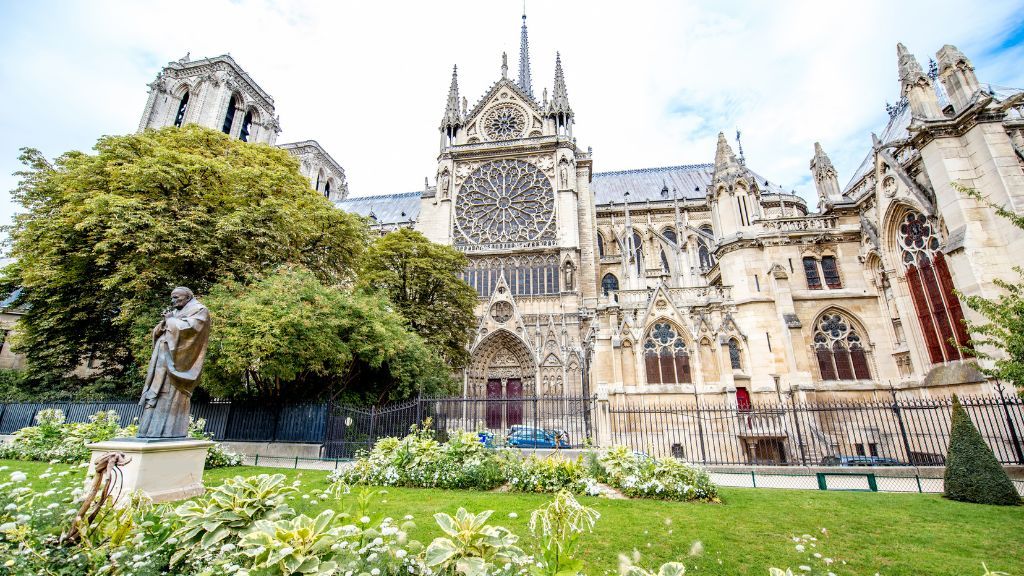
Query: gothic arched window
<point>811,272</point>
<point>243,134</point>
<point>638,253</point>
<point>839,349</point>
<point>327,189</point>
<point>734,354</point>
<point>704,256</point>
<point>229,117</point>
<point>931,287</point>
<point>670,234</point>
<point>664,262</point>
<point>179,118</point>
<point>600,246</point>
<point>665,356</point>
<point>609,283</point>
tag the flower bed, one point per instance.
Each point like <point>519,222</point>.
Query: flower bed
<point>420,461</point>
<point>53,439</point>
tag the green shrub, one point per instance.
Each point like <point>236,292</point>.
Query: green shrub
<point>640,476</point>
<point>551,474</point>
<point>972,472</point>
<point>53,439</point>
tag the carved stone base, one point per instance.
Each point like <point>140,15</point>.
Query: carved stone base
<point>163,469</point>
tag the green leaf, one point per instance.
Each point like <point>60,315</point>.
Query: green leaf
<point>440,551</point>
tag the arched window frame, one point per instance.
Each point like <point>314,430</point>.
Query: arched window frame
<point>600,245</point>
<point>638,252</point>
<point>179,116</point>
<point>839,348</point>
<point>234,103</point>
<point>670,235</point>
<point>609,284</point>
<point>246,132</point>
<point>735,354</point>
<point>666,356</point>
<point>940,315</point>
<point>704,255</point>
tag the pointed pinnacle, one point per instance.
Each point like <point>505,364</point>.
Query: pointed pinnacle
<point>452,117</point>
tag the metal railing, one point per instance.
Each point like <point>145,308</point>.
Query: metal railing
<point>908,432</point>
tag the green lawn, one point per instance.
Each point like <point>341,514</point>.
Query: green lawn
<point>887,533</point>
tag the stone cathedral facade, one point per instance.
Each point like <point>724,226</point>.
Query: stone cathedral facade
<point>709,280</point>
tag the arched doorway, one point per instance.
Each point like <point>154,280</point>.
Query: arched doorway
<point>503,371</point>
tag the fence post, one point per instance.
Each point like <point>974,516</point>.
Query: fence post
<point>700,430</point>
<point>799,435</point>
<point>899,419</point>
<point>1009,423</point>
<point>373,428</point>
<point>419,408</point>
<point>257,462</point>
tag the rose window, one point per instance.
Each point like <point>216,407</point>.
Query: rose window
<point>505,201</point>
<point>504,122</point>
<point>917,239</point>
<point>501,312</point>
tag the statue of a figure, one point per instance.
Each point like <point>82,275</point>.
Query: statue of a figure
<point>564,175</point>
<point>179,348</point>
<point>445,183</point>
<point>569,276</point>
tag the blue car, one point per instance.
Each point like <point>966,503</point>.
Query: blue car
<point>527,437</point>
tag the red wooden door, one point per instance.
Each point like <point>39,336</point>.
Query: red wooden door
<point>743,399</point>
<point>514,389</point>
<point>494,403</point>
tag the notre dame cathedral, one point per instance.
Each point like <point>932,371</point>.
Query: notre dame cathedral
<point>701,280</point>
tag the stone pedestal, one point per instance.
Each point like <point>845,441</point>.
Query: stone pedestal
<point>164,469</point>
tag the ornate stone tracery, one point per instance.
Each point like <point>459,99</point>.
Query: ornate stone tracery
<point>504,204</point>
<point>504,122</point>
<point>500,356</point>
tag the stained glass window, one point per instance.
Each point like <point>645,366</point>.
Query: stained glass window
<point>839,349</point>
<point>831,272</point>
<point>931,288</point>
<point>666,357</point>
<point>811,271</point>
<point>506,203</point>
<point>609,283</point>
<point>734,354</point>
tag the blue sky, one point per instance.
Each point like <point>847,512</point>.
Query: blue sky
<point>652,83</point>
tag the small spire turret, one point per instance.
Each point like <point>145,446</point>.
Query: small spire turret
<point>826,179</point>
<point>452,116</point>
<point>559,107</point>
<point>957,75</point>
<point>916,87</point>
<point>525,82</point>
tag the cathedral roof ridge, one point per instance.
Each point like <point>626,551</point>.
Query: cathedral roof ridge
<point>493,90</point>
<point>688,167</point>
<point>384,195</point>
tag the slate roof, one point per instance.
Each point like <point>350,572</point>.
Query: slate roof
<point>690,181</point>
<point>386,209</point>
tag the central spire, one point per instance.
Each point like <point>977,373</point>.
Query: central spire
<point>524,60</point>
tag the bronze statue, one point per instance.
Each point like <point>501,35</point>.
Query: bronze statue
<point>179,348</point>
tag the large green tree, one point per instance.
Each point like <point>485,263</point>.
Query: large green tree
<point>422,279</point>
<point>290,336</point>
<point>104,237</point>
<point>1000,338</point>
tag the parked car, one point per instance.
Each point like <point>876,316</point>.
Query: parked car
<point>528,437</point>
<point>839,460</point>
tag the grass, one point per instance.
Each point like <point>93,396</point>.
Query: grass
<point>892,534</point>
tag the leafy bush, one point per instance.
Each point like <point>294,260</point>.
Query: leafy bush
<point>641,476</point>
<point>418,460</point>
<point>217,456</point>
<point>972,472</point>
<point>473,547</point>
<point>227,513</point>
<point>533,474</point>
<point>53,439</point>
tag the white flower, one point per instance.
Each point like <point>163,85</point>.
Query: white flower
<point>513,515</point>
<point>697,548</point>
<point>10,507</point>
<point>375,572</point>
<point>804,567</point>
<point>400,553</point>
<point>7,526</point>
<point>800,548</point>
<point>365,519</point>
<point>18,476</point>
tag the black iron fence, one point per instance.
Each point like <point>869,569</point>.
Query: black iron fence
<point>232,421</point>
<point>905,432</point>
<point>350,429</point>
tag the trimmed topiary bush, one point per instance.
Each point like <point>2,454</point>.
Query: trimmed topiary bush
<point>972,472</point>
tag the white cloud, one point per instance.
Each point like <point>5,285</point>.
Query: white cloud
<point>652,83</point>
